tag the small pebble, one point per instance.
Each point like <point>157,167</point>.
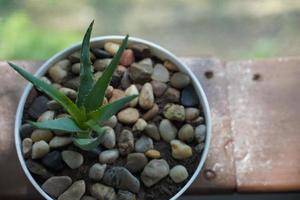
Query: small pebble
<point>96,172</point>
<point>151,113</point>
<point>38,169</point>
<point>58,72</point>
<point>189,97</point>
<point>186,133</point>
<point>39,134</point>
<point>48,115</point>
<point>152,131</point>
<point>199,147</point>
<point>141,72</point>
<point>128,116</point>
<point>100,53</point>
<point>180,80</point>
<point>160,73</point>
<point>172,95</point>
<point>108,156</point>
<point>143,144</point>
<point>116,95</point>
<point>125,195</point>
<point>191,114</point>
<point>58,141</point>
<point>26,130</point>
<point>167,130</point>
<point>72,158</point>
<point>75,192</point>
<point>154,171</point>
<point>101,64</point>
<point>39,149</point>
<point>53,161</point>
<point>56,185</point>
<point>200,133</point>
<point>171,66</point>
<point>38,107</point>
<point>178,174</point>
<point>111,122</point>
<point>132,90</point>
<point>136,162</point>
<point>125,142</point>
<point>146,98</point>
<point>111,47</point>
<point>76,68</point>
<point>72,94</point>
<point>26,147</point>
<point>109,138</point>
<point>153,154</point>
<point>159,88</point>
<point>174,112</point>
<point>139,125</point>
<point>103,192</point>
<point>127,57</point>
<point>180,150</point>
<point>53,105</point>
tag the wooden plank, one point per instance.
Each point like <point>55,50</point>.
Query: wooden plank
<point>265,123</point>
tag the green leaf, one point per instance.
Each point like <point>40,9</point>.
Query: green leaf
<point>95,97</point>
<point>105,112</point>
<point>87,143</point>
<point>86,74</point>
<point>62,99</point>
<point>60,124</point>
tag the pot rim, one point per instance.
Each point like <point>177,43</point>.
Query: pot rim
<point>157,51</point>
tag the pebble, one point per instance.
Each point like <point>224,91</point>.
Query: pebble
<point>154,171</point>
<point>59,72</point>
<point>125,142</point>
<point>141,51</point>
<point>199,120</point>
<point>186,133</point>
<point>172,95</point>
<point>128,116</point>
<point>125,80</point>
<point>58,141</point>
<point>132,90</point>
<point>108,156</point>
<point>96,172</point>
<point>200,132</point>
<point>39,149</point>
<point>153,154</point>
<point>56,185</point>
<point>33,93</point>
<point>170,66</point>
<point>109,91</point>
<point>152,131</point>
<point>199,147</point>
<point>146,98</point>
<point>115,81</point>
<point>116,94</point>
<point>189,97</point>
<point>103,192</point>
<point>26,130</point>
<point>160,73</point>
<point>48,115</point>
<point>141,72</point>
<point>26,147</point>
<point>38,107</point>
<point>167,130</point>
<point>53,161</point>
<point>139,125</point>
<point>85,197</point>
<point>109,138</point>
<point>111,47</point>
<point>76,68</point>
<point>120,70</point>
<point>151,113</point>
<point>127,57</point>
<point>101,64</point>
<point>75,57</point>
<point>38,169</point>
<point>136,162</point>
<point>39,134</point>
<point>180,150</point>
<point>53,105</point>
<point>178,173</point>
<point>125,195</point>
<point>100,53</point>
<point>111,122</point>
<point>159,88</point>
<point>174,112</point>
<point>75,192</point>
<point>72,158</point>
<point>72,83</point>
<point>72,94</point>
<point>191,114</point>
<point>121,178</point>
<point>180,80</point>
<point>143,144</point>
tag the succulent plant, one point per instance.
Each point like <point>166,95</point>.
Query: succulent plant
<point>88,111</point>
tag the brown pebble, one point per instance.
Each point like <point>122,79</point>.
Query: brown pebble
<point>152,153</point>
<point>116,94</point>
<point>151,113</point>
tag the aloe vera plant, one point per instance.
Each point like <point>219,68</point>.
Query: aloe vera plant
<point>87,112</point>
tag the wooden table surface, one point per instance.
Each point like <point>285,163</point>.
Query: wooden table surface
<point>255,108</point>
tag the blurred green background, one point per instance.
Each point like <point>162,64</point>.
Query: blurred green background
<point>231,29</point>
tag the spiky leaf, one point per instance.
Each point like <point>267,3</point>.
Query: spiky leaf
<point>108,110</point>
<point>95,97</point>
<point>60,124</point>
<point>86,74</point>
<point>53,93</point>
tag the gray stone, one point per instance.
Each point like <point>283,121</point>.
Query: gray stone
<point>38,169</point>
<point>26,147</point>
<point>146,98</point>
<point>54,161</point>
<point>101,64</point>
<point>73,83</point>
<point>178,173</point>
<point>109,138</point>
<point>109,156</point>
<point>139,125</point>
<point>152,131</point>
<point>174,112</point>
<point>154,171</point>
<point>72,158</point>
<point>172,95</point>
<point>97,171</point>
<point>59,71</point>
<point>39,149</point>
<point>86,197</point>
<point>167,130</point>
<point>125,142</point>
<point>48,115</point>
<point>136,162</point>
<point>143,144</point>
<point>38,106</point>
<point>170,66</point>
<point>189,97</point>
<point>111,122</point>
<point>141,72</point>
<point>103,192</point>
<point>200,133</point>
<point>121,178</point>
<point>125,195</point>
<point>39,134</point>
<point>160,73</point>
<point>125,80</point>
<point>75,192</point>
<point>159,88</point>
<point>56,185</point>
<point>191,114</point>
<point>199,147</point>
<point>76,68</point>
<point>186,133</point>
<point>58,141</point>
<point>53,105</point>
<point>180,80</point>
<point>132,90</point>
<point>26,130</point>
